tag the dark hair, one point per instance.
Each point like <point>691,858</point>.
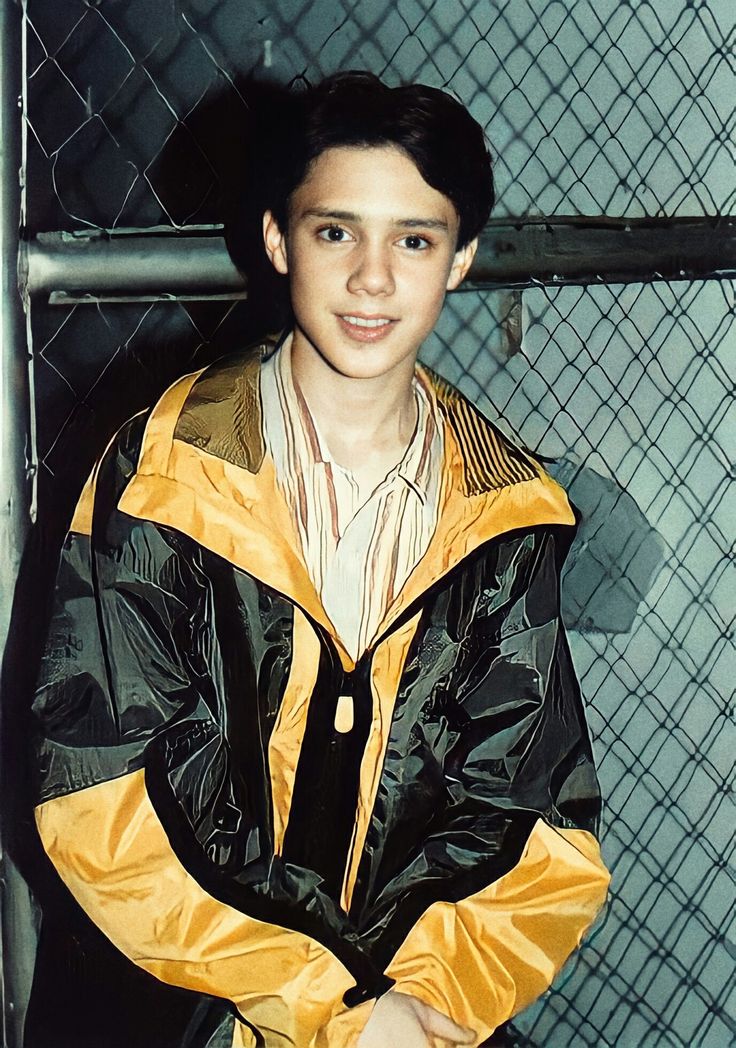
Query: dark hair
<point>357,109</point>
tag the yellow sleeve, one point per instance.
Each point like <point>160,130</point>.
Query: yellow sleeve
<point>110,849</point>
<point>483,959</point>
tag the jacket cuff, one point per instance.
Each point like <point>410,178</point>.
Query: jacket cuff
<point>485,958</point>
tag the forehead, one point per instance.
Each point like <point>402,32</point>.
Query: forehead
<point>371,182</point>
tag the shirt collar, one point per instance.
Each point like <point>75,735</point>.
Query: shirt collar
<point>423,455</point>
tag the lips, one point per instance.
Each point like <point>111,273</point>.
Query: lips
<point>365,328</point>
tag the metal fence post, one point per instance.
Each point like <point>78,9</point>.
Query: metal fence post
<point>16,488</point>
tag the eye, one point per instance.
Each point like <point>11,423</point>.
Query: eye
<point>333,234</point>
<point>415,242</point>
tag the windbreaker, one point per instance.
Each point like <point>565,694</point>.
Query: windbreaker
<point>227,832</point>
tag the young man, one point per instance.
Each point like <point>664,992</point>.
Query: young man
<point>309,738</point>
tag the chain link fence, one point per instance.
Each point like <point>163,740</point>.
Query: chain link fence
<point>133,109</point>
<point>616,108</point>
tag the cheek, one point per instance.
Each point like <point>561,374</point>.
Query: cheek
<point>433,288</point>
<point>431,278</point>
<point>310,270</point>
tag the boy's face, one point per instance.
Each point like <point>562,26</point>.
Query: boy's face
<point>370,252</point>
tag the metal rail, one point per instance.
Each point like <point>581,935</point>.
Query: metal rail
<point>582,250</point>
<point>116,265</point>
<point>527,253</point>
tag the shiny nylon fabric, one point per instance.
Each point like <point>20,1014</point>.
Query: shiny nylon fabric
<point>184,664</point>
<point>166,657</point>
<point>488,734</point>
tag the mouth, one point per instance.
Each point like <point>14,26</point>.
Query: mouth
<point>365,328</point>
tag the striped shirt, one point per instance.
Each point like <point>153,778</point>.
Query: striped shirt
<point>359,546</point>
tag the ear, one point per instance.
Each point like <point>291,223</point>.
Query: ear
<point>275,243</point>
<point>461,264</point>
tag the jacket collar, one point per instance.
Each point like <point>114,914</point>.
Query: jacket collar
<point>222,416</point>
<point>203,470</point>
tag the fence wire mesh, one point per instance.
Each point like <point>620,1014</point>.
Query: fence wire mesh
<point>616,108</point>
<point>592,108</point>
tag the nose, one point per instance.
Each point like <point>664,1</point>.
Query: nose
<point>372,271</point>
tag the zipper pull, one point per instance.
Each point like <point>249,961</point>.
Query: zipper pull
<point>344,714</point>
<point>345,711</point>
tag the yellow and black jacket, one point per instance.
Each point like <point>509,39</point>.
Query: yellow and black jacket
<point>201,802</point>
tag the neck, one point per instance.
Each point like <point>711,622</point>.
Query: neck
<point>366,422</point>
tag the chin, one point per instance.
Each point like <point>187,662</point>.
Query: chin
<point>369,367</point>
<point>370,361</point>
<point>356,360</point>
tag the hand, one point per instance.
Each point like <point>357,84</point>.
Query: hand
<point>401,1021</point>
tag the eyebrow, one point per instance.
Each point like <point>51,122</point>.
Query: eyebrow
<point>352,216</point>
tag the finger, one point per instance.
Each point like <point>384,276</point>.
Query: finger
<point>440,1025</point>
